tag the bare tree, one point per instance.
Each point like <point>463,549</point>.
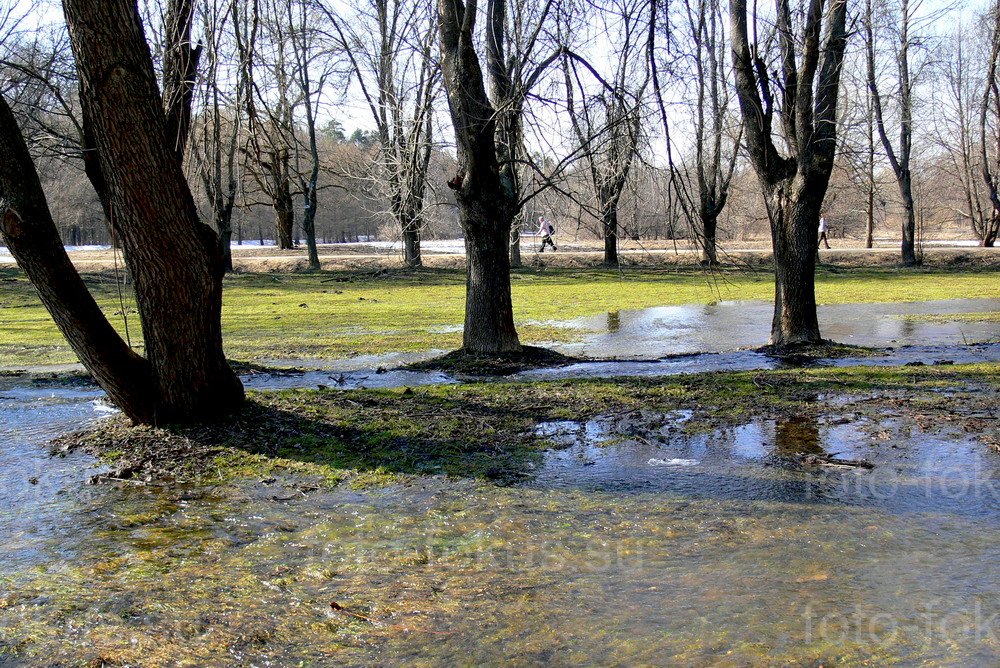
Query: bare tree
<point>269,108</point>
<point>390,47</point>
<point>517,56</point>
<point>313,66</point>
<point>963,72</point>
<point>174,259</point>
<point>811,49</point>
<point>907,36</point>
<point>703,186</point>
<point>218,125</point>
<point>608,122</point>
<point>989,123</point>
<point>486,206</point>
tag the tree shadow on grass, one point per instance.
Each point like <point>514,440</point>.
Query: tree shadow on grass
<point>343,434</point>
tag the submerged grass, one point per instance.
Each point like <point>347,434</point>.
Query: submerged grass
<point>332,315</point>
<point>454,569</point>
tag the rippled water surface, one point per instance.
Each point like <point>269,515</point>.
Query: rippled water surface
<point>639,540</point>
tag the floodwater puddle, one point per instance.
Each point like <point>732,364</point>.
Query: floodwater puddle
<point>729,325</point>
<point>642,538</point>
<point>841,534</point>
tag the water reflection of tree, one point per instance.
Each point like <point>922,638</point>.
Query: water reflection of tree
<point>614,321</point>
<point>798,435</point>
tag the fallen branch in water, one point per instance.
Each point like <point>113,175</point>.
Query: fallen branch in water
<point>344,611</point>
<point>829,460</point>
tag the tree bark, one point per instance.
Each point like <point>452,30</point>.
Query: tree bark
<point>709,227</point>
<point>411,245</point>
<point>489,311</point>
<point>794,186</point>
<point>174,259</point>
<point>224,226</point>
<point>609,225</point>
<point>485,207</point>
<point>909,245</point>
<point>515,244</point>
<point>31,236</point>
<point>309,228</point>
<point>794,239</point>
<point>284,209</point>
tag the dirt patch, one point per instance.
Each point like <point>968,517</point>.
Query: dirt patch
<point>804,354</point>
<point>463,363</point>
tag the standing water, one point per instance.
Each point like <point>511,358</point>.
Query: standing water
<point>852,534</point>
<point>638,540</point>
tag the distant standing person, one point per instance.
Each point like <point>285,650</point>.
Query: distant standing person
<point>822,231</point>
<point>546,229</point>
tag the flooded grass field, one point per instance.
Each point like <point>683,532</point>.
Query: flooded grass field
<point>693,505</point>
<point>846,517</point>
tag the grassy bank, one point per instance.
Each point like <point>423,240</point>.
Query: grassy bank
<point>332,315</point>
<point>488,430</point>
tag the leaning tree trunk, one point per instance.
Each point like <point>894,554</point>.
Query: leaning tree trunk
<point>30,234</point>
<point>794,207</point>
<point>174,259</point>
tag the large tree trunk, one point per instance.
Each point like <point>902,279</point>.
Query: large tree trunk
<point>31,236</point>
<point>284,219</point>
<point>174,259</point>
<point>411,244</point>
<point>609,225</point>
<point>709,228</point>
<point>485,207</point>
<point>909,246</point>
<point>794,237</point>
<point>489,312</point>
<point>794,185</point>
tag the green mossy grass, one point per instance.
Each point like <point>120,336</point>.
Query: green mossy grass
<point>336,315</point>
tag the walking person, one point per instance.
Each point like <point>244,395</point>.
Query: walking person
<point>546,229</point>
<point>822,232</point>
